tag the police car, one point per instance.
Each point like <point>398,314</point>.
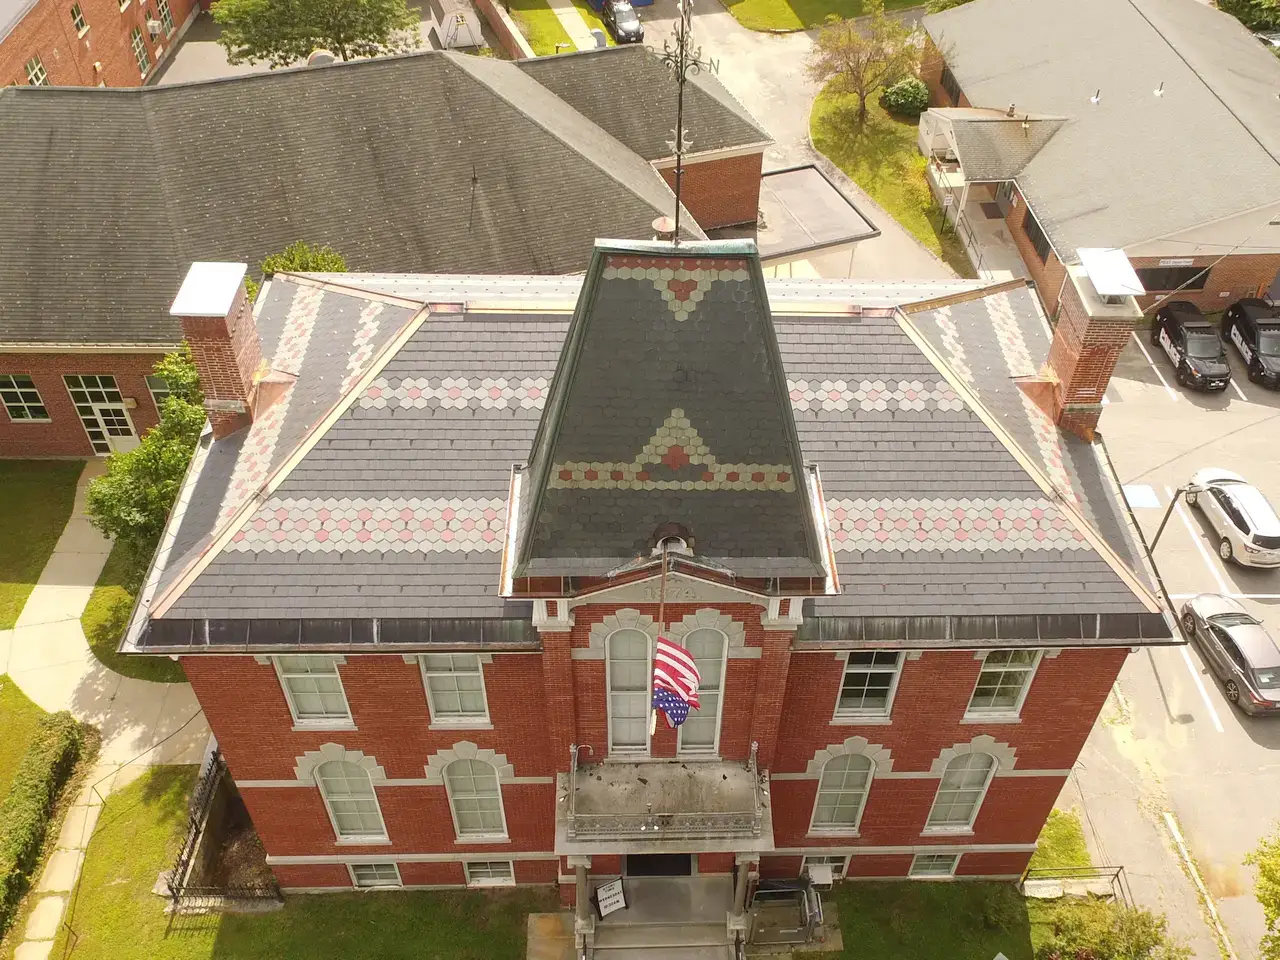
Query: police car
<point>1192,345</point>
<point>1254,327</point>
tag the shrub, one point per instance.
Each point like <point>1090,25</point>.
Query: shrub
<point>1098,930</point>
<point>908,97</point>
<point>24,815</point>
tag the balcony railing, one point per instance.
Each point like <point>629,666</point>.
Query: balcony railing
<point>694,799</point>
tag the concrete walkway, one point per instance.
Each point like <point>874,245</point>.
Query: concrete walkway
<point>47,656</point>
<point>573,24</point>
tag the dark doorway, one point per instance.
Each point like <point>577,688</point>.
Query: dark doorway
<point>660,865</point>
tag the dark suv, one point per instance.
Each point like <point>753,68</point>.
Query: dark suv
<point>1254,327</point>
<point>1192,346</point>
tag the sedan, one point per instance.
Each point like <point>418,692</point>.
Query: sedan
<point>1249,529</point>
<point>1237,648</point>
<point>622,21</point>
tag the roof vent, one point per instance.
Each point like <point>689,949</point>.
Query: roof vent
<point>672,538</point>
<point>664,228</point>
<point>1009,112</point>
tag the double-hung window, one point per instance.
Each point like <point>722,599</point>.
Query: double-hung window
<point>166,16</point>
<point>489,873</point>
<point>630,673</point>
<point>1003,683</point>
<point>351,800</point>
<point>370,876</point>
<point>700,733</point>
<point>842,794</point>
<point>870,681</point>
<point>78,21</point>
<point>36,74</point>
<point>476,799</point>
<point>960,793</point>
<point>140,53</point>
<point>455,689</point>
<point>934,865</point>
<point>313,687</point>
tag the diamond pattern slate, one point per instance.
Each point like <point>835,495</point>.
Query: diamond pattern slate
<point>873,395</point>
<point>458,393</point>
<point>951,524</point>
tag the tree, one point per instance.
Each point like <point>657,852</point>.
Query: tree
<point>1254,14</point>
<point>131,501</point>
<point>282,32</point>
<point>937,6</point>
<point>1097,930</point>
<point>299,257</point>
<point>1266,858</point>
<point>859,57</point>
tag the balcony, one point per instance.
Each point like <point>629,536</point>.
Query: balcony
<point>655,806</point>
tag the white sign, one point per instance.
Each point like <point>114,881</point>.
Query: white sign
<point>610,897</point>
<point>1178,262</point>
<point>946,201</point>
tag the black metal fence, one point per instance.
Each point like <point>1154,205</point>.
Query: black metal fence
<point>1114,877</point>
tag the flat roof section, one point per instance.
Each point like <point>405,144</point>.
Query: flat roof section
<point>804,212</point>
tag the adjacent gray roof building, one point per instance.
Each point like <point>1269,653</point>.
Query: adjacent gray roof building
<point>435,162</point>
<point>1133,166</point>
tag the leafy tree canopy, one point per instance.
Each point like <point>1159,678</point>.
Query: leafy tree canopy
<point>859,57</point>
<point>299,257</point>
<point>282,32</point>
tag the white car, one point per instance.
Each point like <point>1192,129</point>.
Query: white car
<point>1248,526</point>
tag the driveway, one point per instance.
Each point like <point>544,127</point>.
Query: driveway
<point>1217,770</point>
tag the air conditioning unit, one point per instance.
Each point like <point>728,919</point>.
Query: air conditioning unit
<point>154,27</point>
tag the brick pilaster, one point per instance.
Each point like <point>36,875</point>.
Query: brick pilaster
<point>771,690</point>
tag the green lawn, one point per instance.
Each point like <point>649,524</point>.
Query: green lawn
<point>18,719</point>
<point>1061,842</point>
<point>107,614</point>
<point>881,157</point>
<point>593,20</point>
<point>115,916</point>
<point>540,26</point>
<point>799,14</point>
<point>38,496</point>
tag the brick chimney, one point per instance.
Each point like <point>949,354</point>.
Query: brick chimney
<point>217,321</point>
<point>1096,313</point>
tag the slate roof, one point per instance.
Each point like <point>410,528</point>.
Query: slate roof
<point>946,493</point>
<point>434,162</point>
<point>993,146</point>
<point>1132,167</point>
<point>628,91</point>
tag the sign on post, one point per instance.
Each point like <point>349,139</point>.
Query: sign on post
<point>610,897</point>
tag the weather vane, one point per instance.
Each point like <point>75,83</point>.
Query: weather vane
<point>683,59</point>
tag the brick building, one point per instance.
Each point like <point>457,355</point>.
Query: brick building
<point>1147,127</point>
<point>418,566</point>
<point>89,43</point>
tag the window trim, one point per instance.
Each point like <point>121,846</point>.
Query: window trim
<point>354,839</point>
<point>77,9</point>
<point>1199,279</point>
<point>475,722</point>
<point>138,44</point>
<point>482,882</point>
<point>166,17</point>
<point>848,717</point>
<point>611,749</point>
<point>842,829</point>
<point>955,863</point>
<point>1007,715</point>
<point>956,828</point>
<point>1038,237</point>
<point>156,400</point>
<point>315,723</point>
<point>355,884</point>
<point>17,389</point>
<point>459,836</point>
<point>31,72</point>
<point>714,752</point>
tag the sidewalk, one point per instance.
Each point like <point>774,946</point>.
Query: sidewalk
<point>573,24</point>
<point>47,656</point>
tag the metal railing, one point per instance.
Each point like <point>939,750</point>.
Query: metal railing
<point>1113,876</point>
<point>684,824</point>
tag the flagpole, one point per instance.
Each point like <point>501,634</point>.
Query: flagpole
<point>662,629</point>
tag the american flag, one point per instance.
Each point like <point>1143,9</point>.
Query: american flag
<point>675,681</point>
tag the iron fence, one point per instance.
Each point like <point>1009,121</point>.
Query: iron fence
<point>1113,876</point>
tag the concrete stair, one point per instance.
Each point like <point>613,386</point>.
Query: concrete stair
<point>674,941</point>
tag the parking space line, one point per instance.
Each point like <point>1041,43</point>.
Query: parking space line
<point>1204,694</point>
<point>1236,387</point>
<point>1154,369</point>
<point>1195,538</point>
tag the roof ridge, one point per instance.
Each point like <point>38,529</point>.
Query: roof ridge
<point>219,538</point>
<point>1033,469</point>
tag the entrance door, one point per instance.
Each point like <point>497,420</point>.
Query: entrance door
<point>117,426</point>
<point>659,865</point>
<point>101,409</point>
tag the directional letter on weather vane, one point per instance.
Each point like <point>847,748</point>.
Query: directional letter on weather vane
<point>681,60</point>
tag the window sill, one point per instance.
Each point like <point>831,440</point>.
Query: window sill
<point>823,834</point>
<point>363,842</point>
<point>871,720</point>
<point>947,832</point>
<point>460,725</point>
<point>481,884</point>
<point>479,839</point>
<point>31,419</point>
<point>302,726</point>
<point>80,33</point>
<point>991,718</point>
<point>699,757</point>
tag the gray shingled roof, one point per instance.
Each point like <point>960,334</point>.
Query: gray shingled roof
<point>628,91</point>
<point>436,162</point>
<point>1132,167</point>
<point>997,147</point>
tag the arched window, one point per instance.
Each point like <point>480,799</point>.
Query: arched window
<point>630,674</point>
<point>701,732</point>
<point>476,799</point>
<point>960,793</point>
<point>353,806</point>
<point>842,793</point>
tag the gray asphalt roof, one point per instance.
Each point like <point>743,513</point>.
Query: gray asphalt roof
<point>629,92</point>
<point>997,148</point>
<point>436,162</point>
<point>11,14</point>
<point>399,509</point>
<point>1133,166</point>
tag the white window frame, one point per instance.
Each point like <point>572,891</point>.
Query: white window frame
<point>836,874</point>
<point>37,75</point>
<point>959,828</point>
<point>455,721</point>
<point>316,723</point>
<point>354,839</point>
<point>1005,713</point>
<point>628,751</point>
<point>860,713</point>
<point>714,752</point>
<point>166,16</point>
<point>508,881</point>
<point>913,875</point>
<point>157,394</point>
<point>141,55</point>
<point>356,884</point>
<point>77,13</point>
<point>461,837</point>
<point>13,387</point>
<point>841,829</point>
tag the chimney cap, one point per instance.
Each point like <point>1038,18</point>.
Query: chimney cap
<point>1110,272</point>
<point>209,290</point>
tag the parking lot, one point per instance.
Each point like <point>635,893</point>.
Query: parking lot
<point>1218,769</point>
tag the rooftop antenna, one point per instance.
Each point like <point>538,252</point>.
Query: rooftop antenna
<point>1159,91</point>
<point>1097,95</point>
<point>682,59</point>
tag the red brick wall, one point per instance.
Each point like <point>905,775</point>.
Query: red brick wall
<point>64,436</point>
<point>432,874</point>
<point>715,863</point>
<point>720,193</point>
<point>992,864</point>
<point>1237,276</point>
<point>880,865</point>
<point>313,875</point>
<point>931,64</point>
<point>47,31</point>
